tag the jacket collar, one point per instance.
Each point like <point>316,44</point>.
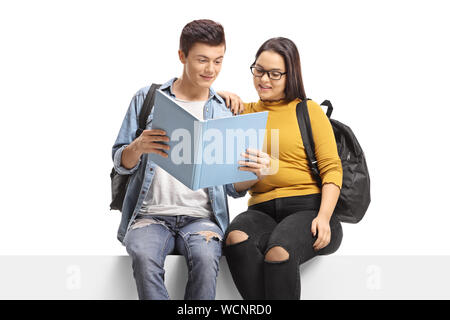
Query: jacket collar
<point>169,85</point>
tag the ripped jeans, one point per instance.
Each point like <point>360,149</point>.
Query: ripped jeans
<point>199,240</point>
<point>284,222</point>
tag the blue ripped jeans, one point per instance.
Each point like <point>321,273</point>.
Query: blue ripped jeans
<point>199,240</point>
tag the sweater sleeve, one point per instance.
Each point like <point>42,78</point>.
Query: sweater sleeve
<point>327,156</point>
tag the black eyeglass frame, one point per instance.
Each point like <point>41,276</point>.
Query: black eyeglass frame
<point>252,67</point>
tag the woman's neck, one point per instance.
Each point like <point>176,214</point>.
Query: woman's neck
<point>272,101</point>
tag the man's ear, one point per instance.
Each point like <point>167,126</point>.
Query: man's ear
<point>182,56</point>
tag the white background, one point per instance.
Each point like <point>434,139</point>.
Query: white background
<point>69,69</point>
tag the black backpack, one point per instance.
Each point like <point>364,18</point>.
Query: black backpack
<point>354,198</point>
<point>119,183</point>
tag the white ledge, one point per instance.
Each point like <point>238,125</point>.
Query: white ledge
<point>324,277</point>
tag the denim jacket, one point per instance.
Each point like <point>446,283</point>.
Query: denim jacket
<point>142,174</point>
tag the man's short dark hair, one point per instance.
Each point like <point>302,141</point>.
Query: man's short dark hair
<point>203,31</point>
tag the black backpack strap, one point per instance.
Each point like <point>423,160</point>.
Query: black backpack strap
<point>304,124</point>
<point>147,108</point>
<point>329,106</point>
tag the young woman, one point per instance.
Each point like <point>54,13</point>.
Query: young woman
<point>289,219</point>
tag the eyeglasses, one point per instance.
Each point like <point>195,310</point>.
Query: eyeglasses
<point>259,72</point>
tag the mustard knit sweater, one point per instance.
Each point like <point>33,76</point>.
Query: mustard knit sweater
<point>294,177</point>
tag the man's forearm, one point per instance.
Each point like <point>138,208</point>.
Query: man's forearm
<point>130,156</point>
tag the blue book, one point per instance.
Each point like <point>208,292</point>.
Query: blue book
<point>205,153</point>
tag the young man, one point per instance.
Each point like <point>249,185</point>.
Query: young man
<point>160,215</point>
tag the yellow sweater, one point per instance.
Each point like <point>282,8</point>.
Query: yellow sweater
<point>294,177</point>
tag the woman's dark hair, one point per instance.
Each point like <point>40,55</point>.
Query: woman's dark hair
<point>288,50</point>
<point>204,31</point>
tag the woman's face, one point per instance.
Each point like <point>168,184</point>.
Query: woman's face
<point>269,89</point>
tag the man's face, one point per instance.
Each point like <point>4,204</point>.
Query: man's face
<point>203,63</point>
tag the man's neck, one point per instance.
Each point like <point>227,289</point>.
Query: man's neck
<point>186,90</point>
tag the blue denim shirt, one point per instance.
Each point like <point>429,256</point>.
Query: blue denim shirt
<point>142,174</point>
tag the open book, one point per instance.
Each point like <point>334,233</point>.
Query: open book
<point>205,153</point>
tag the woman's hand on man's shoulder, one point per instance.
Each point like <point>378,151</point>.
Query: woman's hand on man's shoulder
<point>232,101</point>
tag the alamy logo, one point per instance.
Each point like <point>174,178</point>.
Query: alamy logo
<point>219,148</point>
<point>73,280</point>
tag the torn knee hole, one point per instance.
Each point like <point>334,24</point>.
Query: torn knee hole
<point>235,237</point>
<point>277,254</point>
<point>209,235</point>
<point>143,222</point>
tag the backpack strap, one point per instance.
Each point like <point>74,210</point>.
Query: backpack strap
<point>304,124</point>
<point>329,106</point>
<point>147,108</point>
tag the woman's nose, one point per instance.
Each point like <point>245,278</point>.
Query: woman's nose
<point>265,77</point>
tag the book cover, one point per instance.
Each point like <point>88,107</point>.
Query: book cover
<point>205,153</point>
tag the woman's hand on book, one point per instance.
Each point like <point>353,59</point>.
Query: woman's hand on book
<point>259,162</point>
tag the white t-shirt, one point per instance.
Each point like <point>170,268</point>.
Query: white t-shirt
<point>168,196</point>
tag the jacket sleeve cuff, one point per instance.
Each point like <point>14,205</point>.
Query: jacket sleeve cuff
<point>231,191</point>
<point>118,160</point>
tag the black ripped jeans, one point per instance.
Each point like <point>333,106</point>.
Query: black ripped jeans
<point>284,222</point>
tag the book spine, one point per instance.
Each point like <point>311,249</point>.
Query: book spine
<point>199,128</point>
